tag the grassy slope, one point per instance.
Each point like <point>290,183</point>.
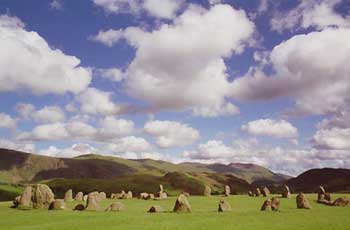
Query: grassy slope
<point>245,215</point>
<point>9,192</point>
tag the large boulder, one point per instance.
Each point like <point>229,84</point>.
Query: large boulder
<point>302,201</point>
<point>275,204</point>
<point>92,203</point>
<point>42,196</point>
<point>182,204</point>
<point>58,204</point>
<point>341,201</point>
<point>286,192</point>
<point>68,196</point>
<point>25,199</point>
<point>115,207</point>
<point>265,191</point>
<point>79,196</point>
<point>155,208</point>
<point>207,190</point>
<point>224,206</point>
<point>227,190</point>
<point>266,206</point>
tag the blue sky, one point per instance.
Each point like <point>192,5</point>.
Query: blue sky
<point>208,81</point>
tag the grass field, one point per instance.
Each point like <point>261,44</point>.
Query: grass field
<point>245,215</point>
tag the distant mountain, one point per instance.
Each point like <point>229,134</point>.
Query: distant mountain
<point>334,180</point>
<point>110,172</point>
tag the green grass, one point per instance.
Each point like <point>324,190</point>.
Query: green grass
<point>9,192</point>
<point>245,215</point>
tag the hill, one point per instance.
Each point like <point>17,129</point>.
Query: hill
<point>334,180</point>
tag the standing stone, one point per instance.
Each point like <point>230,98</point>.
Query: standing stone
<point>186,194</point>
<point>129,195</point>
<point>85,197</point>
<point>151,196</point>
<point>79,196</point>
<point>207,190</point>
<point>161,194</point>
<point>94,194</point>
<point>144,196</point>
<point>115,207</point>
<point>265,191</point>
<point>102,196</point>
<point>266,206</point>
<point>302,201</point>
<point>25,199</point>
<point>285,192</point>
<point>275,204</point>
<point>227,190</point>
<point>182,204</point>
<point>57,205</point>
<point>16,201</point>
<point>155,208</point>
<point>257,192</point>
<point>68,196</point>
<point>342,202</point>
<point>92,204</point>
<point>224,206</point>
<point>250,193</point>
<point>161,188</point>
<point>42,196</point>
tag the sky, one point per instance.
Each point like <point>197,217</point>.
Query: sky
<point>211,81</point>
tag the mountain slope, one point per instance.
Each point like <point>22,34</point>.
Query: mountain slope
<point>334,180</point>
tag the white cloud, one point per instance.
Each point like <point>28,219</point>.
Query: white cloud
<point>73,151</point>
<point>112,74</point>
<point>109,129</point>
<point>25,147</point>
<point>162,9</point>
<point>49,114</point>
<point>272,128</point>
<point>159,9</point>
<point>95,101</point>
<point>128,144</point>
<point>6,121</point>
<point>167,60</point>
<point>171,133</point>
<point>112,127</point>
<point>56,4</point>
<point>23,52</point>
<point>108,37</point>
<point>310,13</point>
<point>334,138</point>
<point>311,68</point>
<point>212,150</point>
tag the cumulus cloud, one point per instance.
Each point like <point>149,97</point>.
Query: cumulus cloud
<point>95,101</point>
<point>56,5</point>
<point>112,74</point>
<point>310,13</point>
<point>159,9</point>
<point>108,37</point>
<point>109,129</point>
<point>304,71</point>
<point>29,51</point>
<point>334,138</point>
<point>47,114</point>
<point>7,122</point>
<point>167,60</point>
<point>129,144</point>
<point>25,147</point>
<point>272,128</point>
<point>72,151</point>
<point>171,133</point>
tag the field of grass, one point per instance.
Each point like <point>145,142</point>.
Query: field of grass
<point>245,215</point>
<point>8,192</point>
